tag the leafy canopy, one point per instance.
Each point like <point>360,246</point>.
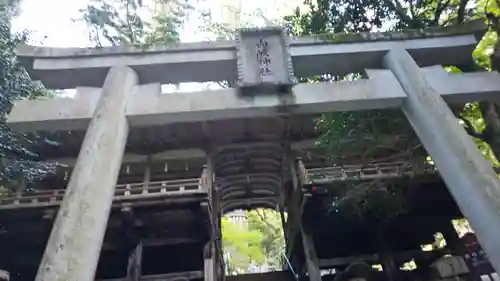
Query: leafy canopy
<point>256,241</point>
<point>386,135</point>
<point>19,160</point>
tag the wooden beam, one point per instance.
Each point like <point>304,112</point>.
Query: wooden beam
<point>207,183</point>
<point>133,241</point>
<point>155,241</point>
<point>312,262</point>
<point>375,258</point>
<point>208,264</point>
<point>135,200</point>
<point>294,223</point>
<point>281,209</point>
<point>147,172</point>
<point>189,275</point>
<point>192,153</point>
<point>134,266</point>
<point>386,256</point>
<point>292,208</point>
<point>129,158</point>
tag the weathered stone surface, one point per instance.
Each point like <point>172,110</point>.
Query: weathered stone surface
<point>264,61</point>
<point>215,61</point>
<point>4,275</point>
<point>75,243</point>
<point>149,107</point>
<point>468,175</point>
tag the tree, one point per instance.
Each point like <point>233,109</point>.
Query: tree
<point>257,241</point>
<point>235,17</point>
<point>387,133</point>
<point>10,8</point>
<point>20,162</point>
<point>328,16</point>
<point>272,243</point>
<point>487,128</point>
<point>119,22</point>
<point>241,246</point>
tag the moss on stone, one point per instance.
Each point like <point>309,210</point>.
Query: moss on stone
<point>469,28</point>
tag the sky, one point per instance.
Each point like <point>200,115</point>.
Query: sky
<point>52,22</point>
<point>55,23</point>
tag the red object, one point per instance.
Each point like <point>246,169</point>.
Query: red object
<point>313,188</point>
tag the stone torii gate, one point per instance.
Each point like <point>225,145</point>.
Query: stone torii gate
<point>118,89</point>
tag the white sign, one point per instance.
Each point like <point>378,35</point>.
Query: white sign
<point>264,61</point>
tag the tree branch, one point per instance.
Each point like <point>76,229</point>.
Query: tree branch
<point>412,9</point>
<point>400,11</point>
<point>439,10</point>
<point>263,219</point>
<point>461,11</point>
<point>129,26</point>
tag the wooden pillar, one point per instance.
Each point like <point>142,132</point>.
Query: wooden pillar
<point>312,262</point>
<point>451,237</point>
<point>389,266</point>
<point>456,246</point>
<point>209,266</point>
<point>147,172</point>
<point>469,177</point>
<point>20,189</point>
<point>134,267</point>
<point>391,270</point>
<point>282,199</point>
<point>76,239</point>
<point>281,209</point>
<point>386,257</point>
<point>293,226</point>
<point>133,241</point>
<point>207,182</point>
<point>302,173</point>
<point>48,219</point>
<point>291,202</point>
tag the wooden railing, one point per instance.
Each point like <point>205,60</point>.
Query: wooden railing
<point>143,190</point>
<point>368,172</point>
<point>123,193</point>
<point>189,275</point>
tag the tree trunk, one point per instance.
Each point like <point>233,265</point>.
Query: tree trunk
<point>491,110</point>
<point>491,134</point>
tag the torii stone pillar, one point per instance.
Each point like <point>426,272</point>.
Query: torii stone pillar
<point>75,243</point>
<point>4,275</point>
<point>470,178</point>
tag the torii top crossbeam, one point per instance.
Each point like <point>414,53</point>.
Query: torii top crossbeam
<point>65,68</point>
<point>217,61</point>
